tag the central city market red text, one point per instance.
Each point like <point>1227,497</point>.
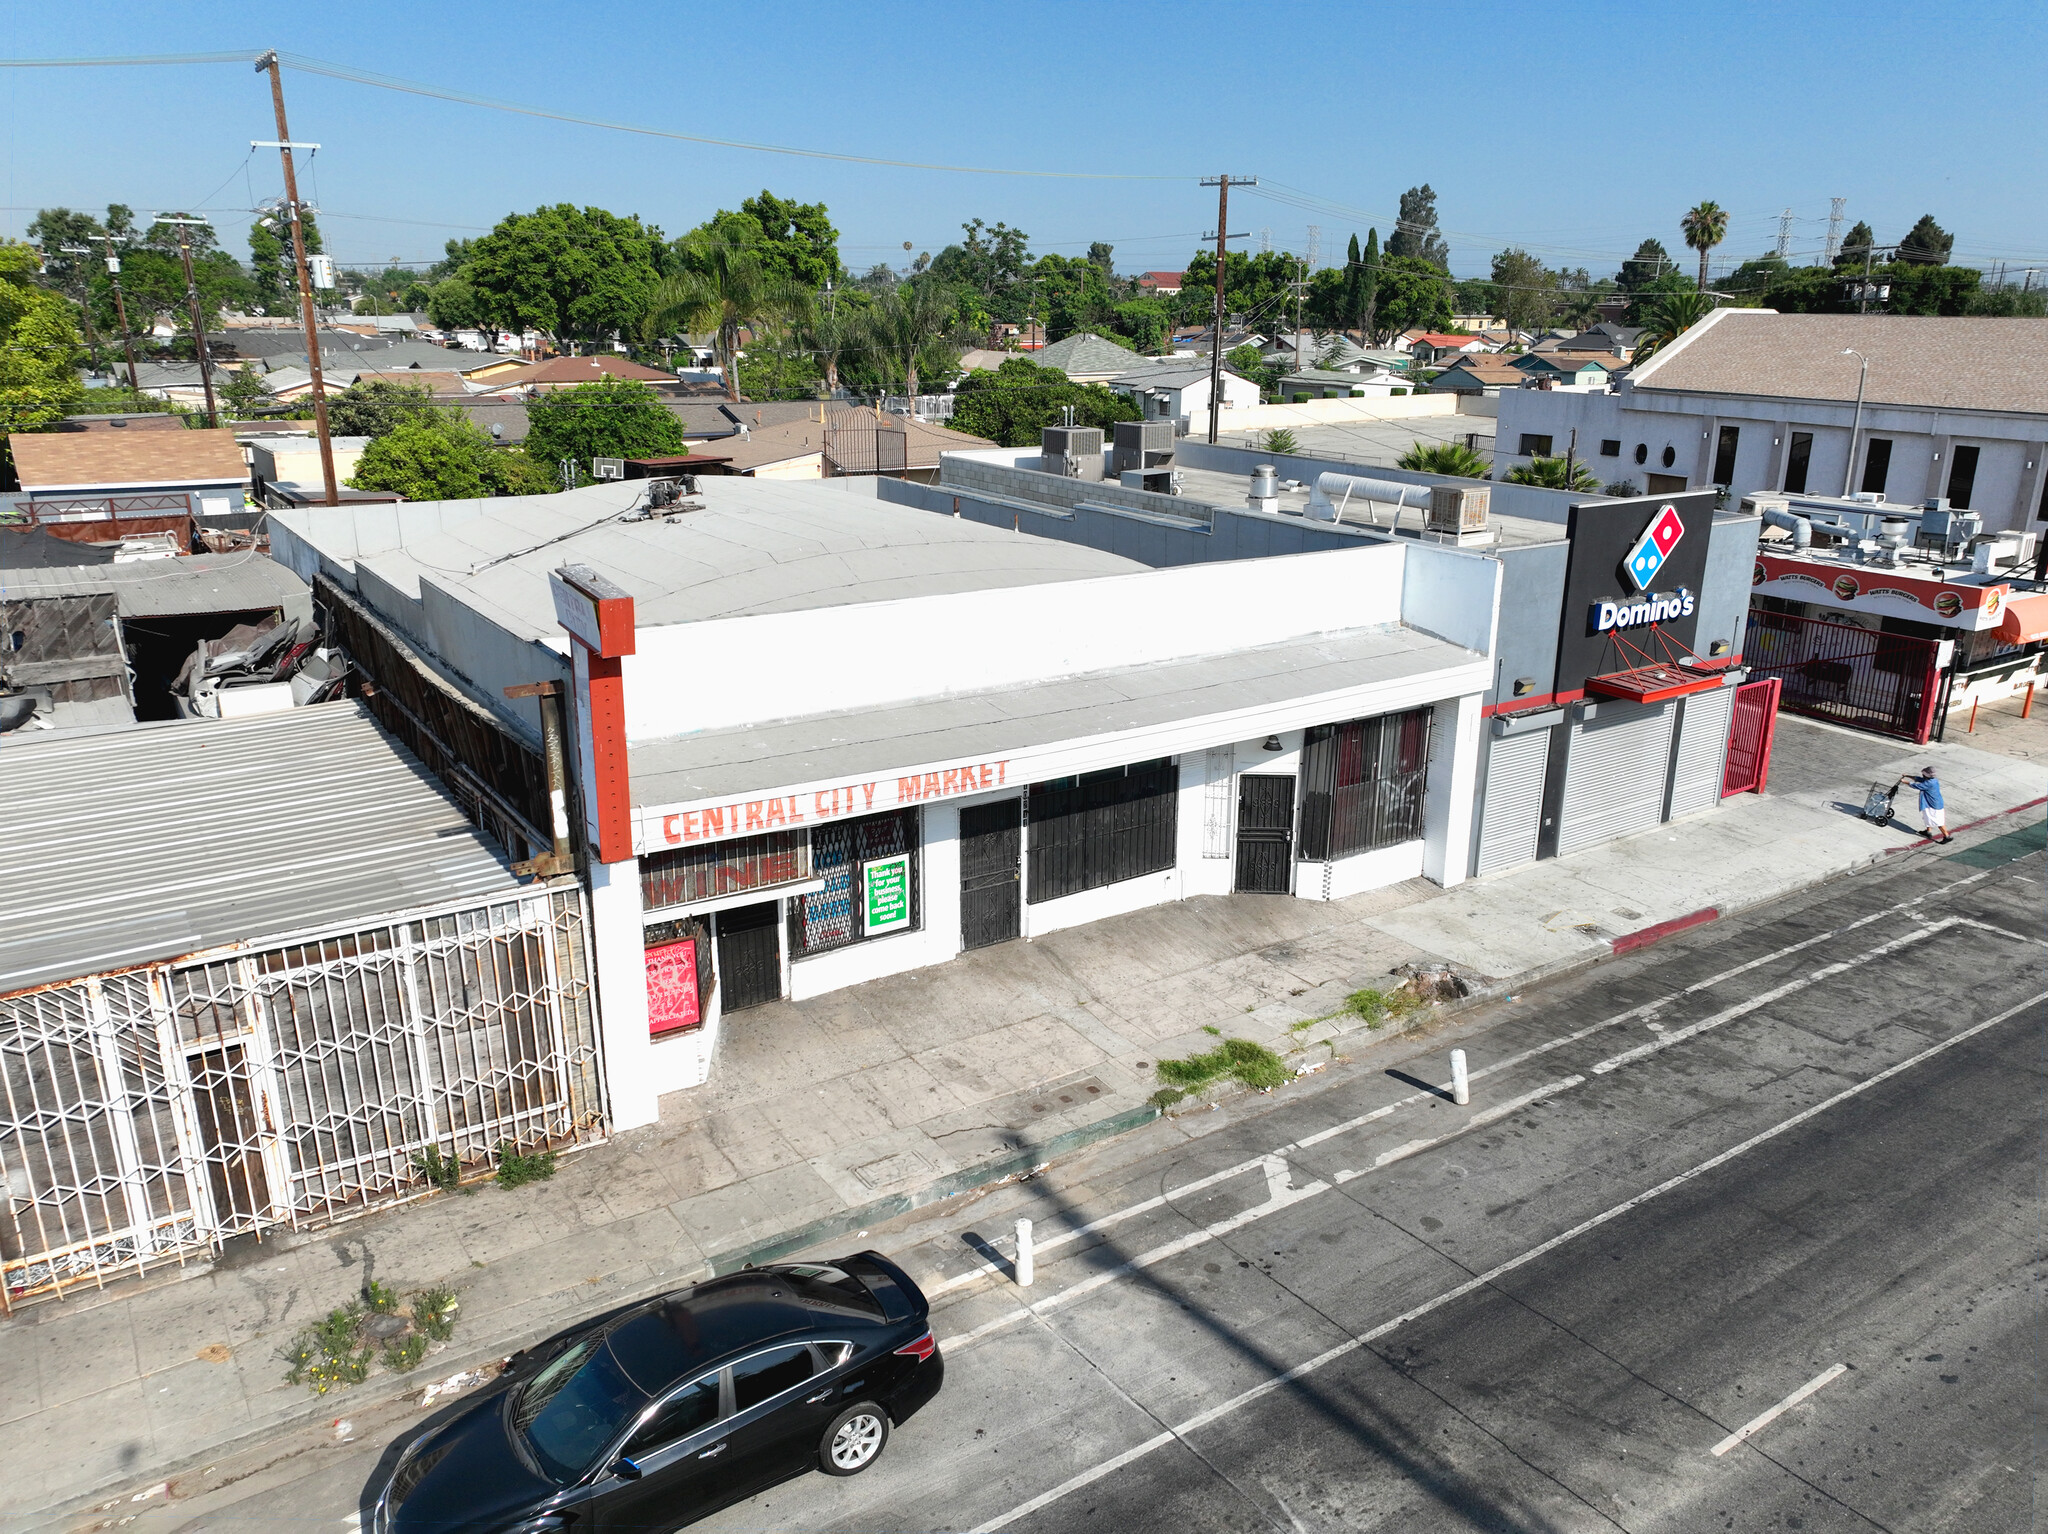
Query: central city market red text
<point>749,815</point>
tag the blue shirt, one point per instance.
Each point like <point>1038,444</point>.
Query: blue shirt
<point>1930,791</point>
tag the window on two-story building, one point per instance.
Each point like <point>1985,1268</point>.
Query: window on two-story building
<point>1877,464</point>
<point>1798,457</point>
<point>1962,476</point>
<point>1534,445</point>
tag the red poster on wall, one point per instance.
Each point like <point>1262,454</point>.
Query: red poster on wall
<point>672,987</point>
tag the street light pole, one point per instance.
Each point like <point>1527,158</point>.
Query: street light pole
<point>192,308</point>
<point>1856,424</point>
<point>268,62</point>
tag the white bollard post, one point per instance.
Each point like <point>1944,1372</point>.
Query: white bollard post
<point>1461,1084</point>
<point>1024,1254</point>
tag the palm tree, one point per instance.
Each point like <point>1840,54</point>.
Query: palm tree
<point>720,288</point>
<point>1667,317</point>
<point>902,323</point>
<point>1452,458</point>
<point>1549,473</point>
<point>1704,227</point>
<point>828,333</point>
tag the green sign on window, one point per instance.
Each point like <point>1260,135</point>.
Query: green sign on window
<point>885,899</point>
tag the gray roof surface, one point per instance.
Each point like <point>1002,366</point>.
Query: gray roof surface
<point>1087,352</point>
<point>759,546</point>
<point>130,845</point>
<point>155,588</point>
<point>1171,375</point>
<point>1998,365</point>
<point>967,726</point>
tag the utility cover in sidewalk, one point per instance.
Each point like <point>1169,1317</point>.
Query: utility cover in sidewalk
<point>890,1170</point>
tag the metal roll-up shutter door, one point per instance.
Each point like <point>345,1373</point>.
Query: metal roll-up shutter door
<point>1702,751</point>
<point>1614,778</point>
<point>1512,812</point>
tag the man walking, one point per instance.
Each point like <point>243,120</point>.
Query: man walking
<point>1932,810</point>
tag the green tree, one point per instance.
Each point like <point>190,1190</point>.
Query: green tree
<point>1411,294</point>
<point>1926,243</point>
<point>1667,316</point>
<point>1143,322</point>
<point>452,304</point>
<point>2009,301</point>
<point>827,330</point>
<point>1749,280</point>
<point>1075,295</point>
<point>39,346</point>
<point>720,289</point>
<point>376,407</point>
<point>428,459</point>
<point>1016,402</point>
<point>1246,359</point>
<point>1525,290</point>
<point>1415,235</point>
<point>913,326</point>
<point>788,241</point>
<point>1452,458</point>
<point>992,261</point>
<point>67,272</point>
<point>1279,440</point>
<point>611,418</point>
<point>273,265</point>
<point>1861,242</point>
<point>1646,298</point>
<point>571,273</point>
<point>1704,226</point>
<point>1550,474</point>
<point>1351,305</point>
<point>243,391</point>
<point>1650,262</point>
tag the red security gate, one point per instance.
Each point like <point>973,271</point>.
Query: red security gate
<point>1751,729</point>
<point>1863,678</point>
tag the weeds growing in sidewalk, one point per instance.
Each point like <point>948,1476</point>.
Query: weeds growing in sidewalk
<point>1374,1007</point>
<point>380,1298</point>
<point>1247,1060</point>
<point>517,1167</point>
<point>444,1171</point>
<point>328,1353</point>
<point>433,1312</point>
<point>402,1354</point>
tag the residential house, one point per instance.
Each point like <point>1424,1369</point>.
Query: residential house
<point>1582,369</point>
<point>141,420</point>
<point>1428,346</point>
<point>567,372</point>
<point>1087,358</point>
<point>1761,402</point>
<point>1180,392</point>
<point>1335,383</point>
<point>1479,373</point>
<point>284,467</point>
<point>101,486</point>
<point>1160,282</point>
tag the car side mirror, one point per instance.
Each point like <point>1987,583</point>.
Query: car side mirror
<point>625,1469</point>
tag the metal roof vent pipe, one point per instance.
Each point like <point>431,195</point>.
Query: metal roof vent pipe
<point>1265,491</point>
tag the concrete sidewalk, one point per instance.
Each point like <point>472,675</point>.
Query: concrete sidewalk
<point>829,1115</point>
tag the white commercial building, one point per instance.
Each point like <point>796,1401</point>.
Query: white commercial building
<point>1754,401</point>
<point>822,738</point>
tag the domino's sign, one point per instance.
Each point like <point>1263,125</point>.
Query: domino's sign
<point>1654,547</point>
<point>1656,607</point>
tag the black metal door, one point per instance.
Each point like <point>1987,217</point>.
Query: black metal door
<point>991,843</point>
<point>1265,832</point>
<point>750,955</point>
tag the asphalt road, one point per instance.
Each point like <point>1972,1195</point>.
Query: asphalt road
<point>1801,1152</point>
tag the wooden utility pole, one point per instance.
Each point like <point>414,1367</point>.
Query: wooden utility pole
<point>192,308</point>
<point>121,310</point>
<point>284,147</point>
<point>1223,184</point>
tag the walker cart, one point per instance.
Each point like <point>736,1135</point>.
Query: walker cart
<point>1877,808</point>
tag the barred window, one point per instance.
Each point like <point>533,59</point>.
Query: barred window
<point>685,875</point>
<point>831,917</point>
<point>1102,828</point>
<point>1364,784</point>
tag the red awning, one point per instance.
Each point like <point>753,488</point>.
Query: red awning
<point>2025,620</point>
<point>1654,683</point>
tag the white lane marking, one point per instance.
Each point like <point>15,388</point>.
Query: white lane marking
<point>1351,1345</point>
<point>1765,998</point>
<point>1508,1062</point>
<point>352,1521</point>
<point>1477,1121</point>
<point>1758,1423</point>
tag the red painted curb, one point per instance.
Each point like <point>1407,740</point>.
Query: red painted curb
<point>1657,931</point>
<point>1921,844</point>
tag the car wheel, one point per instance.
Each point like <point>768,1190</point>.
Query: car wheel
<point>854,1440</point>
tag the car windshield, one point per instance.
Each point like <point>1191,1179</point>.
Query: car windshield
<point>575,1406</point>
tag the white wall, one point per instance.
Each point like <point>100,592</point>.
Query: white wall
<point>774,667</point>
<point>1452,593</point>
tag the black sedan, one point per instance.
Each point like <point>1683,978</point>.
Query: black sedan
<point>655,1415</point>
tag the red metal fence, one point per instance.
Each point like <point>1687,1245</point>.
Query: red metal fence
<point>1750,731</point>
<point>1863,678</point>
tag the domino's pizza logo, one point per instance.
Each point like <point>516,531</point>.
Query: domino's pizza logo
<point>1654,547</point>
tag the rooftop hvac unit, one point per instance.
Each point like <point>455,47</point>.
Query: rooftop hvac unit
<point>1073,452</point>
<point>1458,510</point>
<point>1142,445</point>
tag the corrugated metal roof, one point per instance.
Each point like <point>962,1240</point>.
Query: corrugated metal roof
<point>758,546</point>
<point>867,742</point>
<point>129,845</point>
<point>243,581</point>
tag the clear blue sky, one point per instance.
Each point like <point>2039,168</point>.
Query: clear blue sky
<point>1572,130</point>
